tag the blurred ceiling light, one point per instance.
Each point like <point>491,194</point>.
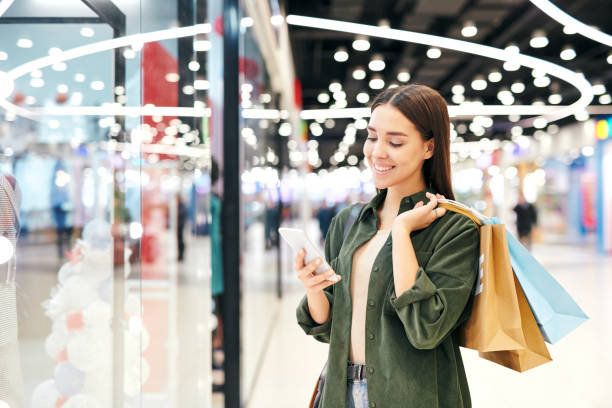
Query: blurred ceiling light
<point>172,77</point>
<point>97,85</point>
<point>376,63</point>
<point>76,98</point>
<point>341,55</point>
<point>479,83</point>
<point>30,100</point>
<point>246,22</point>
<point>3,56</point>
<point>129,53</point>
<point>36,74</point>
<point>87,32</point>
<point>555,99</point>
<point>469,29</point>
<point>403,76</point>
<point>54,124</point>
<point>605,99</point>
<point>284,129</point>
<point>323,97</point>
<point>359,73</point>
<point>79,77</point>
<point>377,82</point>
<point>335,86</point>
<point>277,20</point>
<point>190,90</point>
<point>361,43</point>
<point>517,87</point>
<point>540,123</point>
<point>37,82</point>
<point>569,30</point>
<point>202,45</point>
<point>194,66</point>
<point>567,53</point>
<point>330,123</point>
<point>572,25</point>
<point>511,66</point>
<point>363,97</point>
<point>341,103</point>
<point>25,43</point>
<point>609,58</point>
<point>62,88</point>
<point>542,81</point>
<point>339,95</point>
<point>458,98</point>
<point>598,88</point>
<point>512,48</point>
<point>538,39</point>
<point>495,76</point>
<point>434,53</point>
<point>458,89</point>
<point>504,93</point>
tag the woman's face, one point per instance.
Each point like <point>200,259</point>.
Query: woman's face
<point>394,149</point>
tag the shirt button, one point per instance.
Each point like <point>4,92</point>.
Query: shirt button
<point>371,336</point>
<point>372,405</point>
<point>375,269</point>
<point>370,370</point>
<point>371,303</point>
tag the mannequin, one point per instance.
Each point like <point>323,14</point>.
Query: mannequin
<point>11,382</point>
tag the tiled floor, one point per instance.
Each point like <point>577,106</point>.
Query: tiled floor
<point>578,376</point>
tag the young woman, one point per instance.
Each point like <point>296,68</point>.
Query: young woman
<point>406,270</point>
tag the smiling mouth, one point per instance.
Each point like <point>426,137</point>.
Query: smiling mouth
<point>382,169</point>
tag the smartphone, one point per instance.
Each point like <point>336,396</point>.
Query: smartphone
<point>297,239</point>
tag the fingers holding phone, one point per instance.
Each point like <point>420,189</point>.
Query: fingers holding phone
<point>313,282</point>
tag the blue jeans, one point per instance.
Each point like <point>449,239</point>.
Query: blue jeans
<point>357,394</point>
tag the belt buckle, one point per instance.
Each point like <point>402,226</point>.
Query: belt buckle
<point>360,372</point>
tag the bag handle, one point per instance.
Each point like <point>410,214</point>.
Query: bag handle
<point>455,206</point>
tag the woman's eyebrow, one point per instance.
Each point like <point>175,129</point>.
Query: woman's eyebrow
<point>393,133</point>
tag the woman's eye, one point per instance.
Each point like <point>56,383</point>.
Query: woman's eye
<point>395,144</point>
<point>371,139</point>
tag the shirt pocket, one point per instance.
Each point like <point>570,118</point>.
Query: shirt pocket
<point>422,259</point>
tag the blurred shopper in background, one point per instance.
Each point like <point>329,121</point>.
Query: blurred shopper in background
<point>216,257</point>
<point>324,216</point>
<point>406,265</point>
<point>526,219</point>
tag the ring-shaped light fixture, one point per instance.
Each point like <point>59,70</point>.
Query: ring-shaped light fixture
<point>566,20</point>
<point>557,112</point>
<point>106,45</point>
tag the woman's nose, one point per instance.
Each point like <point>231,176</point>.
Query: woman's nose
<point>379,150</point>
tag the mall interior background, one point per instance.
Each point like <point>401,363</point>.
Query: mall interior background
<point>112,118</point>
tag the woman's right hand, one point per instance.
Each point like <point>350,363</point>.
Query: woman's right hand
<point>313,282</point>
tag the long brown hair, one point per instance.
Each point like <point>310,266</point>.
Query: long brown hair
<point>427,110</point>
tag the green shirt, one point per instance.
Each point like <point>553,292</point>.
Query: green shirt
<point>412,350</point>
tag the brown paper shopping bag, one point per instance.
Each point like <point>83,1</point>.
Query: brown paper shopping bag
<point>495,323</point>
<point>535,352</point>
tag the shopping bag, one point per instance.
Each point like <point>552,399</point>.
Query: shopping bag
<point>495,322</point>
<point>534,353</point>
<point>556,313</point>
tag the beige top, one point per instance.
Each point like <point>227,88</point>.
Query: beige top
<point>363,260</point>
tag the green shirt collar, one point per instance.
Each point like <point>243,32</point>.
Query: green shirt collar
<point>407,203</point>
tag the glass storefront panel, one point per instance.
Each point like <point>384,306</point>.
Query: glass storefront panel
<point>105,175</point>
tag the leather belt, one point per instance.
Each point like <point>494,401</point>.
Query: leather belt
<point>355,372</point>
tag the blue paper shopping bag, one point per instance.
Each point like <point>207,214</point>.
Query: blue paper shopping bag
<point>555,311</point>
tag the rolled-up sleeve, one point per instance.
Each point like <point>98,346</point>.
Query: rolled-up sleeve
<point>432,308</point>
<point>320,332</point>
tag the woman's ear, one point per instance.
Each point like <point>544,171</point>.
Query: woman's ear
<point>429,146</point>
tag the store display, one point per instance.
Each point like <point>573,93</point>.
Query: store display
<point>81,337</point>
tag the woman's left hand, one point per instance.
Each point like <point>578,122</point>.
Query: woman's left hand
<point>421,216</point>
